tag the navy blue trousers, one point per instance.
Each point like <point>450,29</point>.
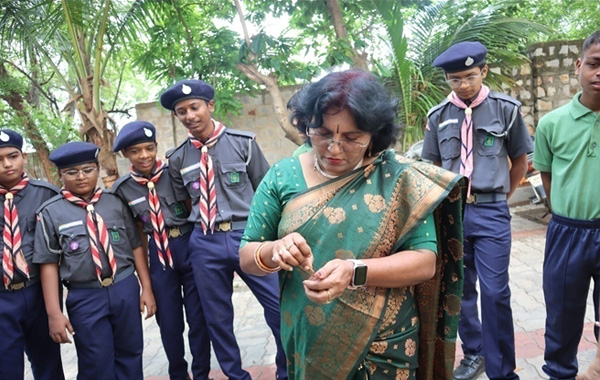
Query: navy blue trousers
<point>24,327</point>
<point>173,289</point>
<point>487,255</point>
<point>108,331</point>
<point>572,259</point>
<point>215,257</point>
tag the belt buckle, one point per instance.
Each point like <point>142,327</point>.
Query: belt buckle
<point>107,282</point>
<point>17,286</point>
<point>224,226</point>
<point>174,232</point>
<point>471,198</point>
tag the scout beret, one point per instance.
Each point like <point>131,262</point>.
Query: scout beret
<point>10,138</point>
<point>133,133</point>
<point>74,153</point>
<point>186,89</point>
<point>461,56</point>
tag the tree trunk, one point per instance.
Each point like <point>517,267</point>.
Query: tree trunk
<point>16,101</point>
<point>337,19</point>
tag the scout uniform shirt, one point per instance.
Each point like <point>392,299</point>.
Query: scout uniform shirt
<point>136,196</point>
<point>61,237</point>
<point>239,166</point>
<point>27,202</point>
<point>499,130</point>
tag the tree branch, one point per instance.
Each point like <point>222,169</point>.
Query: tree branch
<point>36,84</point>
<point>337,18</point>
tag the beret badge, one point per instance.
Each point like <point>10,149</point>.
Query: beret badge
<point>147,132</point>
<point>469,61</point>
<point>186,89</point>
<point>4,137</point>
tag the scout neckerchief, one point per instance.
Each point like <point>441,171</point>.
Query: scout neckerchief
<point>158,223</point>
<point>466,133</point>
<point>208,193</point>
<point>12,255</point>
<point>96,230</point>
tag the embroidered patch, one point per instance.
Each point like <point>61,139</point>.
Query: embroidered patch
<point>195,185</point>
<point>74,245</point>
<point>488,141</point>
<point>115,236</point>
<point>63,227</point>
<point>178,209</point>
<point>144,218</point>
<point>136,201</point>
<point>234,177</point>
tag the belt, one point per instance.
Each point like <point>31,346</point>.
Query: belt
<point>19,285</point>
<point>486,197</point>
<point>105,282</point>
<point>228,226</point>
<point>177,231</point>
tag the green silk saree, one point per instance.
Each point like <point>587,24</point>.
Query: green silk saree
<point>366,333</point>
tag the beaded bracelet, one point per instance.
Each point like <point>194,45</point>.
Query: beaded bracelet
<point>259,263</point>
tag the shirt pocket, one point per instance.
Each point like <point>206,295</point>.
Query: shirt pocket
<point>234,174</point>
<point>28,237</point>
<point>171,208</point>
<point>117,233</point>
<point>449,143</point>
<point>191,180</point>
<point>490,139</point>
<point>74,240</point>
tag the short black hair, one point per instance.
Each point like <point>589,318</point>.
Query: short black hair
<point>593,39</point>
<point>372,107</point>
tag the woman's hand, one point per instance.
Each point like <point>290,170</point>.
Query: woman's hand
<point>292,251</point>
<point>329,282</point>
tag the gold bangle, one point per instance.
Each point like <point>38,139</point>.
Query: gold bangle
<point>259,263</point>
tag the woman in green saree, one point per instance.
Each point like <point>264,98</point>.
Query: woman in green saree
<point>366,220</point>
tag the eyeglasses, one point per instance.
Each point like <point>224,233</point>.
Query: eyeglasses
<point>74,173</point>
<point>322,138</point>
<point>470,81</point>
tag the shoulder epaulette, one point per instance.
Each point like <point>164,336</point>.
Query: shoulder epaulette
<point>236,132</point>
<point>55,198</point>
<point>119,182</point>
<point>501,96</point>
<point>439,106</point>
<point>173,150</point>
<point>45,184</point>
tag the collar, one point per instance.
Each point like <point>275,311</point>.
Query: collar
<point>578,110</point>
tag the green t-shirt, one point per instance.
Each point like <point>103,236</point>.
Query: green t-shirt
<point>567,144</point>
<point>280,184</point>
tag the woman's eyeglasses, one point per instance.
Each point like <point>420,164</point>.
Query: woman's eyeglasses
<point>323,138</point>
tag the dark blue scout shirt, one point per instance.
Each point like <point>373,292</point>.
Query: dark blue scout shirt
<point>61,237</point>
<point>239,166</point>
<point>136,196</point>
<point>27,202</point>
<point>499,132</point>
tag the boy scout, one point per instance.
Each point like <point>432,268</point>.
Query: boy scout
<point>23,319</point>
<point>216,171</point>
<point>90,238</point>
<point>148,192</point>
<point>474,132</point>
<point>567,152</point>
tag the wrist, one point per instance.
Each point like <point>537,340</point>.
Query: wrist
<point>358,274</point>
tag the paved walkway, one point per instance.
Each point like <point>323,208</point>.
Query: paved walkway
<point>258,348</point>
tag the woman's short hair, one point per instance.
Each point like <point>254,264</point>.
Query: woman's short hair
<point>359,92</point>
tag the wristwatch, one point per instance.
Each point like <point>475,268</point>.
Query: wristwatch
<point>359,277</point>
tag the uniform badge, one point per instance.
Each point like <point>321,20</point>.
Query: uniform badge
<point>186,89</point>
<point>144,218</point>
<point>178,209</point>
<point>74,245</point>
<point>4,137</point>
<point>147,132</point>
<point>115,236</point>
<point>234,177</point>
<point>488,141</point>
<point>195,185</point>
<point>469,61</point>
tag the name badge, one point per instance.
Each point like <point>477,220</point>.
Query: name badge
<point>63,227</point>
<point>136,201</point>
<point>188,169</point>
<point>447,122</point>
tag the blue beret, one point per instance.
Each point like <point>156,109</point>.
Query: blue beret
<point>186,89</point>
<point>74,153</point>
<point>10,138</point>
<point>133,133</point>
<point>461,56</point>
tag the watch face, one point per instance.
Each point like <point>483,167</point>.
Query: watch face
<point>360,276</point>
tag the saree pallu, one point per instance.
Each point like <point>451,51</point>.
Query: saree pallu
<point>370,213</point>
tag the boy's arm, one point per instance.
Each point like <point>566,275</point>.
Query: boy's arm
<point>57,322</point>
<point>517,171</point>
<point>141,267</point>
<point>547,183</point>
